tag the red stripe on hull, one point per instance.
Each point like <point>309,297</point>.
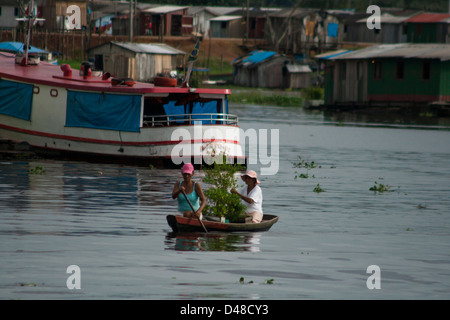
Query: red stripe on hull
<point>113,142</point>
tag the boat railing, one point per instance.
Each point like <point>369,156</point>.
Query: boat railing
<point>189,119</point>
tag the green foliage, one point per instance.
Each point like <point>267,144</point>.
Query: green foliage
<point>304,164</point>
<point>37,170</point>
<point>263,99</point>
<point>379,187</point>
<point>74,64</point>
<point>266,281</point>
<point>312,93</point>
<point>221,202</point>
<point>318,189</point>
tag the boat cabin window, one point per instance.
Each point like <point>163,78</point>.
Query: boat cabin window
<point>184,109</point>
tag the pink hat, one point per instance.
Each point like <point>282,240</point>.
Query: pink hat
<point>251,174</point>
<point>187,168</point>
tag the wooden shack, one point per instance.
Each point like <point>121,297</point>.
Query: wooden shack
<point>139,61</point>
<point>226,27</point>
<point>389,75</point>
<point>267,69</point>
<point>429,28</point>
<point>166,20</point>
<point>393,30</point>
<point>298,76</point>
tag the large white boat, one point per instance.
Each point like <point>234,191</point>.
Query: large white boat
<point>65,112</point>
<point>59,111</point>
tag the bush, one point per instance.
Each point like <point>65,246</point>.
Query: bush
<point>313,93</point>
<point>220,202</point>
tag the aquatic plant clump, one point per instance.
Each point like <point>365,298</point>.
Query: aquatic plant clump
<point>379,187</point>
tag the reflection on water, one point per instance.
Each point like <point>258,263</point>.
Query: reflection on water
<point>110,220</point>
<point>400,117</point>
<point>196,241</point>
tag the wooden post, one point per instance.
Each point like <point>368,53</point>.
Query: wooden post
<point>130,35</point>
<point>46,40</point>
<point>73,44</point>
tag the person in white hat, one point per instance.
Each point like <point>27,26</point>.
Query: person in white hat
<point>251,196</point>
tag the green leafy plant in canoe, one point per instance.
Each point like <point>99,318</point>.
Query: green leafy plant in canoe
<point>221,202</point>
<point>37,170</point>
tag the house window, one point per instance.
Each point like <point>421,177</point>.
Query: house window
<point>377,70</point>
<point>404,29</point>
<point>16,12</point>
<point>426,70</point>
<point>400,70</point>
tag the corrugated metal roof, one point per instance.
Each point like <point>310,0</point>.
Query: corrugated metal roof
<point>225,18</point>
<point>220,11</point>
<point>403,50</point>
<point>155,48</point>
<point>429,17</point>
<point>165,9</point>
<point>331,54</point>
<point>298,68</point>
<point>387,18</point>
<point>297,13</point>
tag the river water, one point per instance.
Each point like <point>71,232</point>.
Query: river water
<point>109,220</point>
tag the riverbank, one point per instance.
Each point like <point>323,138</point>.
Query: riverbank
<point>273,97</point>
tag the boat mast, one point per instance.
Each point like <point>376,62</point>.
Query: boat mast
<point>30,19</point>
<point>192,58</point>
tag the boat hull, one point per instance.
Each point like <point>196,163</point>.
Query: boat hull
<point>149,146</point>
<point>65,114</point>
<point>183,224</point>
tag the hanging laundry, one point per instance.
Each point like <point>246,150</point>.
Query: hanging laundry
<point>310,26</point>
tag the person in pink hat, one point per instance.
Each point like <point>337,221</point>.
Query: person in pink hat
<point>251,196</point>
<point>193,191</point>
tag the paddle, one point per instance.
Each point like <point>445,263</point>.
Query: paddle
<point>190,204</point>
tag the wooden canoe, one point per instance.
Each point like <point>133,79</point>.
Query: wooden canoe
<point>182,224</point>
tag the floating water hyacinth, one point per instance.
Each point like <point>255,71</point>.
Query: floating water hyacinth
<point>379,187</point>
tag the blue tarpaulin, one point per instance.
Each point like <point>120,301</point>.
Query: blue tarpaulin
<point>258,56</point>
<point>15,47</point>
<point>200,112</point>
<point>16,99</point>
<point>103,111</point>
<point>171,109</point>
<point>205,107</point>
